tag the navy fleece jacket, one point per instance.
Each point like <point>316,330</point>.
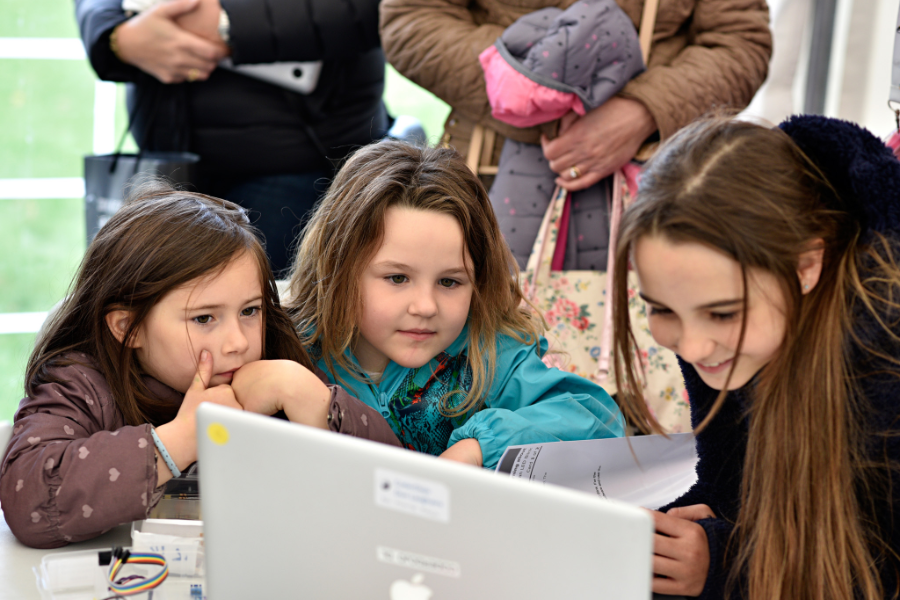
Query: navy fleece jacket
<point>867,178</point>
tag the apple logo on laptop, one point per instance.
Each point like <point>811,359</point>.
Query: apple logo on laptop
<point>410,590</point>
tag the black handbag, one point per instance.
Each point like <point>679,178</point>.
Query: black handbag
<point>108,176</point>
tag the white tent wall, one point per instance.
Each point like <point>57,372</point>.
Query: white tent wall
<point>867,69</point>
<point>859,67</point>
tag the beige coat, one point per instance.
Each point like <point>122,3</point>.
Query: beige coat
<point>705,54</point>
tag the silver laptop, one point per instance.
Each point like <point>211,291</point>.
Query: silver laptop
<point>5,434</point>
<point>295,512</point>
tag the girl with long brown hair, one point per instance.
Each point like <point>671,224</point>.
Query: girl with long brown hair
<point>174,304</point>
<point>405,291</point>
<point>767,258</point>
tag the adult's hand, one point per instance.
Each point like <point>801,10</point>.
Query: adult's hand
<point>681,551</point>
<point>153,42</point>
<point>598,143</point>
<point>203,20</point>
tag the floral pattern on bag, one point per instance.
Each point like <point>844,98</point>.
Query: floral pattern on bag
<point>574,305</point>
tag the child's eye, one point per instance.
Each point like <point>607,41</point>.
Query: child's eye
<point>250,311</point>
<point>398,279</point>
<point>203,319</point>
<point>447,282</point>
<point>723,316</point>
<point>655,310</point>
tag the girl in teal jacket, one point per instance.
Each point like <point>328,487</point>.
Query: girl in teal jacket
<point>405,291</point>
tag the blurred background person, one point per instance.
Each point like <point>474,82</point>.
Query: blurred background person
<point>705,54</point>
<point>262,144</point>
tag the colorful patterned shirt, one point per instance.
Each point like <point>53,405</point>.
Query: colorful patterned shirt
<point>528,402</point>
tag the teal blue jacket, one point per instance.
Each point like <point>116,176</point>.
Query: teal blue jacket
<point>528,402</point>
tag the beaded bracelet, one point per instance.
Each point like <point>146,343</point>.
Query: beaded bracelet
<point>165,454</point>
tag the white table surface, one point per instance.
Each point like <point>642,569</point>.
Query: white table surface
<point>17,561</point>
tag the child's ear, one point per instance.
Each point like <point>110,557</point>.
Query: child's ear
<point>809,265</point>
<point>118,322</point>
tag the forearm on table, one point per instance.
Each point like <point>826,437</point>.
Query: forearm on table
<point>74,489</point>
<point>351,416</point>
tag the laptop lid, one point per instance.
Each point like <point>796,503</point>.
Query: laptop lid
<point>293,511</point>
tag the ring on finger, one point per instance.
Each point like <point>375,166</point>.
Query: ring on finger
<point>193,74</point>
<point>574,172</point>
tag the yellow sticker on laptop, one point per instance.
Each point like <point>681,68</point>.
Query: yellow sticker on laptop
<point>218,433</point>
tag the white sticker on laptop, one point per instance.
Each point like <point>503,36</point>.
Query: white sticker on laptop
<point>418,562</point>
<point>411,495</point>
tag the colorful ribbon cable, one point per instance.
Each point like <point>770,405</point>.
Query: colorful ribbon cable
<point>121,558</point>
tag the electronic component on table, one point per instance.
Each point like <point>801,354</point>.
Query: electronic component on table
<point>135,584</point>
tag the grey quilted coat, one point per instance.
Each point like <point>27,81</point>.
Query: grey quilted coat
<point>588,52</point>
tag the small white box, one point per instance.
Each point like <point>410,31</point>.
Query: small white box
<point>73,575</point>
<point>179,541</point>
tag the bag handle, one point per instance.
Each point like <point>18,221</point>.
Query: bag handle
<point>131,115</point>
<point>541,258</point>
<point>548,242</point>
<point>562,238</point>
<point>615,217</point>
<point>481,147</point>
<point>648,22</point>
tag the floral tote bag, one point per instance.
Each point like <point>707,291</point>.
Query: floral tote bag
<point>574,305</point>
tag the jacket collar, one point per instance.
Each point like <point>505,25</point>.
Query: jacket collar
<point>393,375</point>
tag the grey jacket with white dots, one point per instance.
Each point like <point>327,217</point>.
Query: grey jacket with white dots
<point>589,50</point>
<point>74,469</point>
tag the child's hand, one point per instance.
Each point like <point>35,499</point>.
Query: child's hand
<point>179,436</point>
<point>465,451</point>
<point>681,551</point>
<point>267,386</point>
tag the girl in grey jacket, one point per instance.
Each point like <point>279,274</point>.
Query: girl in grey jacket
<point>174,305</point>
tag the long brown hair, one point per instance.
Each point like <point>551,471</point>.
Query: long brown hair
<point>159,240</point>
<point>803,532</point>
<point>346,231</point>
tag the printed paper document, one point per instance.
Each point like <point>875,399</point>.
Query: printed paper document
<point>647,470</point>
